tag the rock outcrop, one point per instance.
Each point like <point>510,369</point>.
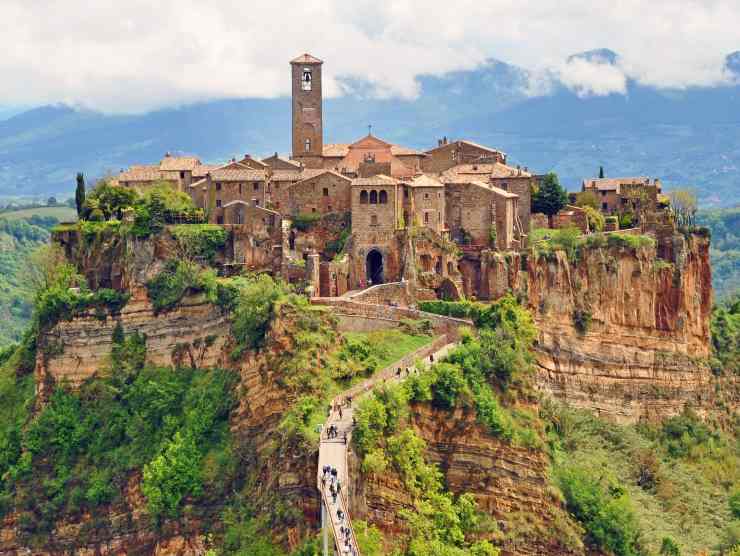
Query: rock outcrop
<point>509,483</point>
<point>623,333</point>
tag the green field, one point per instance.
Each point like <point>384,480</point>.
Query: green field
<point>61,213</point>
<point>389,345</point>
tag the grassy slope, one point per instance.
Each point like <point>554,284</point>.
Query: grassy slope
<point>391,345</point>
<point>61,213</point>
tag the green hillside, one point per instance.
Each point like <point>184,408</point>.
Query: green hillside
<point>725,249</point>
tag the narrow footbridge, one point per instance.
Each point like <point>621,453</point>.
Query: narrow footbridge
<point>333,452</point>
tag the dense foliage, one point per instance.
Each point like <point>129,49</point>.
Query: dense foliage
<point>633,486</point>
<point>170,423</point>
<point>725,327</point>
<point>177,279</point>
<point>550,196</point>
<point>725,248</point>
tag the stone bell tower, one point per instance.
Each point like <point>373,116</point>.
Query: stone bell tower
<point>308,138</point>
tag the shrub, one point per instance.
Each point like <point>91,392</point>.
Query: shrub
<point>735,503</point>
<point>596,221</point>
<point>106,201</point>
<point>607,516</point>
<point>631,241</point>
<point>626,221</point>
<point>177,279</point>
<point>582,320</point>
<point>253,308</point>
<point>304,222</point>
<point>448,384</point>
<point>199,240</point>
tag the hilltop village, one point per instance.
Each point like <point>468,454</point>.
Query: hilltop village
<point>342,216</point>
<point>390,350</point>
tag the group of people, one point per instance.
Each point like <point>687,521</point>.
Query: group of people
<point>330,476</point>
<point>333,432</point>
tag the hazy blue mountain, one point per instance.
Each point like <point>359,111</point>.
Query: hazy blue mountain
<point>687,137</point>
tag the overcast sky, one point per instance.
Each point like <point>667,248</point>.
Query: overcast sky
<point>135,55</point>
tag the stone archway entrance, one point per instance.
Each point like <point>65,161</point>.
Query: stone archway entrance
<point>448,291</point>
<point>374,268</point>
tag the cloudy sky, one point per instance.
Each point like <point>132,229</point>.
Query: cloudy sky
<point>137,55</point>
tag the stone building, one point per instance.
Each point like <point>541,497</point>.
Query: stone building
<point>308,134</point>
<point>322,193</point>
<point>232,182</point>
<point>448,154</point>
<point>637,197</point>
<point>175,170</point>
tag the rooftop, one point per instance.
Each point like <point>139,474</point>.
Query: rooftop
<point>470,143</point>
<point>612,184</point>
<point>380,179</point>
<point>306,58</point>
<point>178,163</point>
<point>425,180</point>
<point>141,172</point>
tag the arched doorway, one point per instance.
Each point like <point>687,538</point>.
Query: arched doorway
<point>374,268</point>
<point>448,291</point>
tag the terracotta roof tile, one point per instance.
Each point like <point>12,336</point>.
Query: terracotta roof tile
<point>238,174</point>
<point>310,174</point>
<point>306,58</point>
<point>202,169</point>
<point>178,163</point>
<point>612,184</point>
<point>471,143</point>
<point>399,150</point>
<point>141,172</point>
<point>380,179</point>
<point>424,180</point>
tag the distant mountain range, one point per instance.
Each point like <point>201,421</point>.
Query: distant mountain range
<point>687,137</point>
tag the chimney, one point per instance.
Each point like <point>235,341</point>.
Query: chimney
<point>275,154</point>
<point>247,156</point>
<point>526,169</point>
<point>439,142</point>
<point>167,154</point>
<point>444,140</point>
<point>233,159</point>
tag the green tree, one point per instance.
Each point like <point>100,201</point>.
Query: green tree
<point>550,197</point>
<point>80,193</point>
<point>601,172</point>
<point>684,205</point>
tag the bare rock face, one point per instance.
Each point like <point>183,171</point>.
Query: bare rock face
<point>622,333</point>
<point>509,483</point>
<point>193,333</point>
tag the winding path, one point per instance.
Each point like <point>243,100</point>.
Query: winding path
<point>333,451</point>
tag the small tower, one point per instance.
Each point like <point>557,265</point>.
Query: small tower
<point>308,134</point>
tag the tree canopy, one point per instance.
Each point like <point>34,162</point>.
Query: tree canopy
<point>550,197</point>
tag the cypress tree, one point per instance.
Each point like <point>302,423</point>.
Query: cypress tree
<point>601,171</point>
<point>80,193</point>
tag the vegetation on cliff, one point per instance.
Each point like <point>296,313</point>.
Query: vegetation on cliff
<point>725,249</point>
<point>633,486</point>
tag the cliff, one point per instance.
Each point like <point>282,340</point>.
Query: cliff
<point>509,483</point>
<point>621,332</point>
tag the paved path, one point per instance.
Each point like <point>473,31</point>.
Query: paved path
<point>333,453</point>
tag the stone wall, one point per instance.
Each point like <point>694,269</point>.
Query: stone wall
<point>325,193</point>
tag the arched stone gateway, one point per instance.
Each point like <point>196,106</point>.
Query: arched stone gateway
<point>448,290</point>
<point>374,267</point>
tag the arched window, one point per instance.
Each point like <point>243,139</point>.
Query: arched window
<point>363,197</point>
<point>449,268</point>
<point>383,198</point>
<point>307,145</point>
<point>373,197</point>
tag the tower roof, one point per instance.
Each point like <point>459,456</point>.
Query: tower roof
<point>306,58</point>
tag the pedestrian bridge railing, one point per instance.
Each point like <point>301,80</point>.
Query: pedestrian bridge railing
<point>343,504</point>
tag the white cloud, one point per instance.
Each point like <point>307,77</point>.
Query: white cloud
<point>137,55</point>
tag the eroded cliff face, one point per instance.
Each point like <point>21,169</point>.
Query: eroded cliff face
<point>193,334</point>
<point>622,333</point>
<point>509,483</point>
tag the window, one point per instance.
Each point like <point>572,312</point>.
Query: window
<point>182,175</point>
<point>307,145</point>
<point>603,193</point>
<point>313,209</point>
<point>306,80</point>
<point>426,195</point>
<point>326,192</point>
<point>219,220</point>
<point>604,206</point>
<point>218,186</point>
<point>240,189</point>
<point>329,208</point>
<point>218,203</point>
<point>256,202</point>
<point>256,186</point>
<point>405,192</point>
<point>374,220</point>
<point>277,204</point>
<point>363,197</point>
<point>383,198</point>
<point>373,197</point>
<point>426,218</point>
<point>505,186</point>
<point>439,217</point>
